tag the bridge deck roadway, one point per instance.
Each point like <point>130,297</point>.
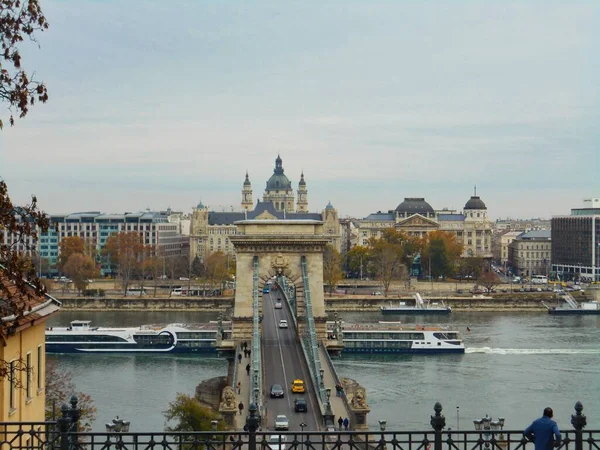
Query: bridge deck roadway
<point>283,362</point>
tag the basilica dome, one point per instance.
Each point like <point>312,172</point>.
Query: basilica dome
<point>278,181</point>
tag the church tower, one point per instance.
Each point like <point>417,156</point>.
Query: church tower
<point>247,195</point>
<point>302,205</point>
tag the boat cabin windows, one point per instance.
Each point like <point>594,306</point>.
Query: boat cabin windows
<point>83,338</point>
<point>391,335</point>
<point>446,336</point>
<point>196,335</point>
<point>383,345</point>
<point>80,325</point>
<point>151,339</point>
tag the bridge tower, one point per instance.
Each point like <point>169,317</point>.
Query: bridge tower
<point>280,246</point>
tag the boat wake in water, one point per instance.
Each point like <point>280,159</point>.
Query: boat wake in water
<point>532,351</point>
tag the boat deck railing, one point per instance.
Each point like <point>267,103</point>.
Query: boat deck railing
<point>386,326</point>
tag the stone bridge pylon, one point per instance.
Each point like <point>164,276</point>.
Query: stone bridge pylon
<point>279,246</point>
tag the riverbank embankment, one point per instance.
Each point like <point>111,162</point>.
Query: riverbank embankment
<point>351,303</point>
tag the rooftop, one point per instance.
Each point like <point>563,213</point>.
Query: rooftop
<point>538,235</point>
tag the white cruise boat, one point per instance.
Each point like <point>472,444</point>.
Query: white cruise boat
<point>81,337</point>
<point>394,337</point>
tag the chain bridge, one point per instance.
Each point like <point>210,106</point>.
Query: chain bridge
<point>279,277</point>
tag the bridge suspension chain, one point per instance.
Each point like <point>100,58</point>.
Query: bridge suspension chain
<point>311,338</point>
<point>256,364</point>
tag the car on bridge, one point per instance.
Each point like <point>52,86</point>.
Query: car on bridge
<point>283,323</point>
<point>282,422</point>
<point>277,442</point>
<point>277,391</point>
<point>300,405</point>
<point>298,386</point>
<point>278,305</point>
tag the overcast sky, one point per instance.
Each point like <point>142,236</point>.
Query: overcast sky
<point>166,103</point>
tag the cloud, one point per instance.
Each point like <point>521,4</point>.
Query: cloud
<point>168,103</point>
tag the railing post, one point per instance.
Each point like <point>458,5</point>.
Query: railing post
<point>578,421</point>
<point>64,425</point>
<point>438,422</point>
<point>251,426</point>
<point>74,415</point>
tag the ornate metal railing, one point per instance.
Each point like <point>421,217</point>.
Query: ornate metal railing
<point>60,436</point>
<point>256,379</point>
<point>311,338</point>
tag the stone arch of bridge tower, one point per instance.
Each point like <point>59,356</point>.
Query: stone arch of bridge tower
<point>278,247</point>
<point>294,277</point>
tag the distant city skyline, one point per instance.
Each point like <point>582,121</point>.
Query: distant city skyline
<point>374,101</point>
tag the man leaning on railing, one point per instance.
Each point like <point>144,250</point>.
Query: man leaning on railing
<point>544,432</point>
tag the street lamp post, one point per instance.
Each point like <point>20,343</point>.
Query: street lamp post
<point>488,426</point>
<point>328,416</point>
<point>302,425</point>
<point>116,427</point>
<point>382,424</point>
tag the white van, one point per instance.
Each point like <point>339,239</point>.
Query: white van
<point>539,279</point>
<point>135,291</point>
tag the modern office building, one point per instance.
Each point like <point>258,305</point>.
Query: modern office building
<point>576,243</point>
<point>94,227</point>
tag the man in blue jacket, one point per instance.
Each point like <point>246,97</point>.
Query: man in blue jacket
<point>544,432</point>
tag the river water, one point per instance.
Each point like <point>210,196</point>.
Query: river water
<point>515,365</point>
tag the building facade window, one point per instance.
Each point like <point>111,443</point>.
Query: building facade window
<point>12,390</point>
<point>29,370</point>
<point>40,369</point>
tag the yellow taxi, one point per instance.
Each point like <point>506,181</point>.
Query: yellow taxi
<point>298,386</point>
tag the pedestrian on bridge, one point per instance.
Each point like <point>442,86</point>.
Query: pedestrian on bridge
<point>245,353</point>
<point>340,422</point>
<point>544,431</point>
<point>240,358</point>
<point>248,368</point>
<point>241,407</point>
<point>239,387</point>
<point>248,353</point>
<point>346,423</point>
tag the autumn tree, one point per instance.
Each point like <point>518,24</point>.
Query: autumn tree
<point>442,250</point>
<point>197,267</point>
<point>332,272</point>
<point>19,284</point>
<point>489,280</point>
<point>215,265</point>
<point>188,414</point>
<point>69,246</point>
<point>59,389</point>
<point>357,259</point>
<point>468,268</point>
<point>124,251</point>
<point>387,260</point>
<point>154,266</point>
<point>80,268</point>
<point>19,20</point>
